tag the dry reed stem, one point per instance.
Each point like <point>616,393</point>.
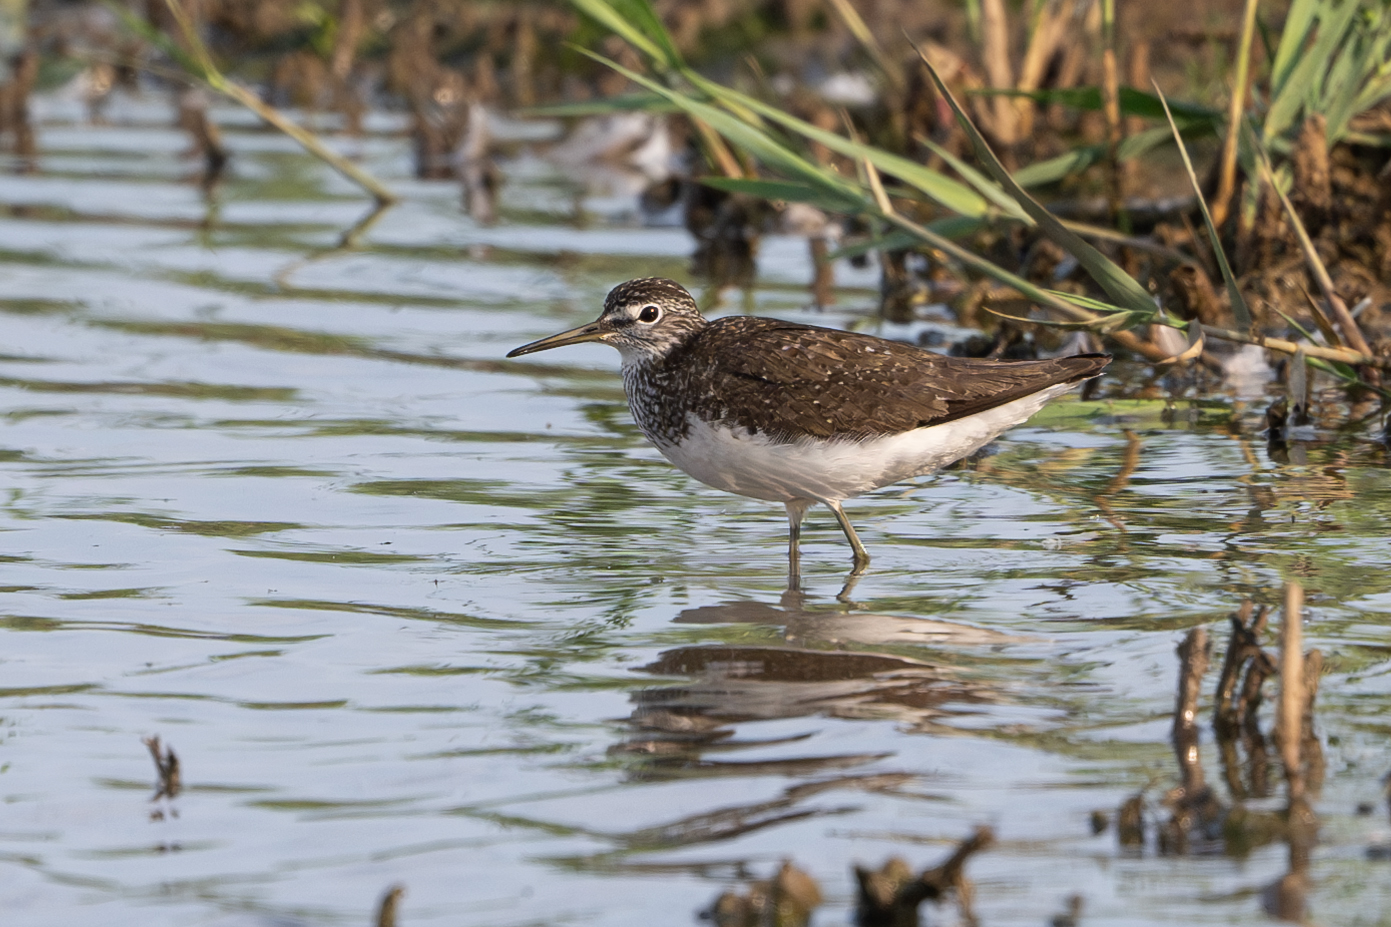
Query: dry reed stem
<point>1226,181</point>
<point>995,52</point>
<point>1111,108</point>
<point>1049,33</point>
<point>1347,356</point>
<point>306,139</point>
<point>1325,325</point>
<point>719,152</point>
<point>871,173</point>
<point>876,185</point>
<point>1137,75</point>
<point>1351,332</point>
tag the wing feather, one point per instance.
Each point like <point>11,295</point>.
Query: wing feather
<point>790,380</point>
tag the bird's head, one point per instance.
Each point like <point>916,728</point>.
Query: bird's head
<point>645,319</point>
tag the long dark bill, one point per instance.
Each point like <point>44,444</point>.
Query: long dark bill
<point>591,332</point>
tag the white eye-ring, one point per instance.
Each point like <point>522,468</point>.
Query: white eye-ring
<point>649,314</point>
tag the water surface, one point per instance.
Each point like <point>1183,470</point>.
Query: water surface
<point>412,613</point>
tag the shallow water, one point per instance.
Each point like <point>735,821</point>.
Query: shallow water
<point>412,613</point>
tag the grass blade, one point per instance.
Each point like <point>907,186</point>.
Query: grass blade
<point>753,140</point>
<point>897,240</point>
<point>628,103</point>
<point>1074,162</point>
<point>641,13</point>
<point>984,185</point>
<point>1306,82</point>
<point>1111,278</point>
<point>789,191</point>
<point>1299,23</point>
<point>941,189</point>
<point>1240,310</point>
<point>625,28</point>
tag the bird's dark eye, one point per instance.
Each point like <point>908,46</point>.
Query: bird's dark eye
<point>649,314</point>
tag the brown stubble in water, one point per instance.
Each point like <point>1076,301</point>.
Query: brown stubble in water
<point>889,897</point>
<point>386,908</point>
<point>1198,817</point>
<point>786,900</point>
<point>170,778</point>
<point>1237,703</point>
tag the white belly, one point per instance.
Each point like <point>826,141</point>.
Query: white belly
<point>754,465</point>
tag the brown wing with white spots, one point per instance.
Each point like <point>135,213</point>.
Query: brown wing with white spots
<point>789,380</point>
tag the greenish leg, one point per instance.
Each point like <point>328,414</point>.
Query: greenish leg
<point>861,555</point>
<point>796,511</point>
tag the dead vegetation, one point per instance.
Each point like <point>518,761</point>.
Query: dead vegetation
<point>888,897</point>
<point>1193,817</point>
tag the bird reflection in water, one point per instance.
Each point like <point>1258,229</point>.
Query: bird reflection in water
<point>828,665</point>
<point>823,667</point>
